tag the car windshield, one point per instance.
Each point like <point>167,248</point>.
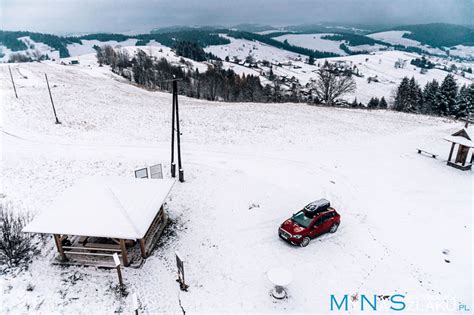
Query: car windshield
<point>301,219</point>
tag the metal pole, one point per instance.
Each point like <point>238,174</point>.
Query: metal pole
<point>13,82</point>
<point>51,97</point>
<point>178,134</point>
<point>173,165</point>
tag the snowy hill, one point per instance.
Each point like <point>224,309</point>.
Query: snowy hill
<point>396,38</point>
<point>248,167</point>
<point>378,65</point>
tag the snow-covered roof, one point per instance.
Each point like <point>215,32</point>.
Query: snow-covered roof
<point>470,132</point>
<point>460,137</point>
<point>115,207</point>
<point>461,140</point>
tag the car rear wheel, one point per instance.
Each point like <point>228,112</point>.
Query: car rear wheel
<point>305,242</point>
<point>333,228</point>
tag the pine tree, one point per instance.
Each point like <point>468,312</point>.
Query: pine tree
<point>447,96</point>
<point>465,101</point>
<point>402,98</point>
<point>383,103</point>
<point>373,103</point>
<point>311,60</point>
<point>430,98</point>
<point>415,96</point>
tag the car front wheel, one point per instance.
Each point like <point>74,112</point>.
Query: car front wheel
<point>334,228</point>
<point>305,242</point>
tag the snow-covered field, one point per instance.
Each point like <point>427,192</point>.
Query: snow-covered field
<point>241,48</point>
<point>396,38</point>
<point>248,167</point>
<point>314,42</point>
<point>87,46</point>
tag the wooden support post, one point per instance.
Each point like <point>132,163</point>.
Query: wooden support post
<point>142,247</point>
<point>135,303</point>
<point>119,271</point>
<point>13,82</point>
<point>178,132</point>
<point>173,112</point>
<point>57,238</point>
<point>124,252</point>
<point>51,97</point>
<point>451,152</point>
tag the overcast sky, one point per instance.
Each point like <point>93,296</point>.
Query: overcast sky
<point>73,16</point>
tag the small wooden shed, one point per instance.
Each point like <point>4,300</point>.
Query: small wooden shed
<point>462,143</point>
<point>100,216</point>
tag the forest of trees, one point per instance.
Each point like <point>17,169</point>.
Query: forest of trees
<point>441,99</point>
<point>11,41</point>
<point>422,63</point>
<point>214,84</point>
<point>353,39</point>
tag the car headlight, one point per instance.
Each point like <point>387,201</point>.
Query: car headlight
<point>297,236</point>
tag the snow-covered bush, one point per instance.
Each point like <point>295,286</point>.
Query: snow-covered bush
<point>15,245</point>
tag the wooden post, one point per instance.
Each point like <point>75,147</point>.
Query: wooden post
<point>51,97</point>
<point>451,153</point>
<point>135,303</point>
<point>178,133</point>
<point>173,112</point>
<point>124,252</point>
<point>13,82</point>
<point>57,238</point>
<point>117,265</point>
<point>142,247</point>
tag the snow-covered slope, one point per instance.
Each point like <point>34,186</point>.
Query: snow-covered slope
<point>241,48</point>
<point>247,167</point>
<point>35,50</point>
<point>396,38</point>
<point>86,46</point>
<point>380,64</point>
<point>314,42</point>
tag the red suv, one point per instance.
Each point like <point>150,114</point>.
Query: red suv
<point>313,220</point>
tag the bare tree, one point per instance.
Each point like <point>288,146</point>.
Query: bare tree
<point>15,246</point>
<point>331,84</point>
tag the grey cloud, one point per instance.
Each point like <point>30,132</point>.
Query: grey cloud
<point>64,16</point>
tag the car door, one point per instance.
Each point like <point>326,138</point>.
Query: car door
<point>317,227</point>
<point>327,221</point>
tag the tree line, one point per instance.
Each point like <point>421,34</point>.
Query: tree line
<point>216,83</point>
<point>440,99</point>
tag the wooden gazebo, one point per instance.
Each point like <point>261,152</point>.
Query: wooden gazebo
<point>100,216</point>
<point>461,154</point>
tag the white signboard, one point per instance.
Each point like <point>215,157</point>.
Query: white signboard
<point>156,171</point>
<point>141,173</point>
<point>116,260</point>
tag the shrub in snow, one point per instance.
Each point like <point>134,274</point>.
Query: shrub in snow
<point>15,245</point>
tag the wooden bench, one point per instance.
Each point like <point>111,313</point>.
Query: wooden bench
<point>98,246</point>
<point>420,151</point>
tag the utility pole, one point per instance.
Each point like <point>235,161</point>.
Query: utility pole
<point>13,82</point>
<point>51,97</point>
<point>175,129</point>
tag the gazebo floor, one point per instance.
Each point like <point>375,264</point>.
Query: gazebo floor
<point>97,255</point>
<point>465,167</point>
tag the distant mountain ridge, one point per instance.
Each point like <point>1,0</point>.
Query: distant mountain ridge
<point>436,35</point>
